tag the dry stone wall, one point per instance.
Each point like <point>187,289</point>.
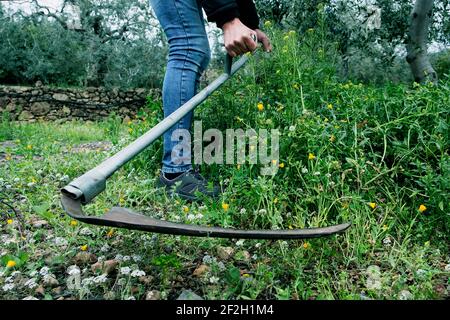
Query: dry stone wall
<point>63,104</point>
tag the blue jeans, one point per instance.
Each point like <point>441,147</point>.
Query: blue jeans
<point>189,55</point>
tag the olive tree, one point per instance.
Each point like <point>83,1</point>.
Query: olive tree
<point>83,42</point>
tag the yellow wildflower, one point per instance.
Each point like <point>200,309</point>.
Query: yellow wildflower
<point>330,106</point>
<point>225,206</point>
<point>260,106</point>
<point>275,200</point>
<point>385,227</point>
<point>33,180</point>
<point>29,147</point>
<point>290,227</point>
<point>130,123</point>
<point>267,24</point>
<point>130,130</point>
<point>84,248</point>
<point>246,275</point>
<point>373,205</point>
<point>311,156</point>
<point>295,86</point>
<point>306,245</point>
<point>110,233</point>
<point>8,157</point>
<point>332,138</point>
<point>74,223</point>
<point>9,221</point>
<point>281,165</point>
<point>10,264</point>
<point>185,209</point>
<point>422,208</point>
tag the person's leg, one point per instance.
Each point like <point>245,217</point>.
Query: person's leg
<point>189,54</point>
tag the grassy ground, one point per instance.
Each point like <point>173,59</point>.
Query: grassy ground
<point>377,156</point>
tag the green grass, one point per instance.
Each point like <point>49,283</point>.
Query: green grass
<point>384,145</point>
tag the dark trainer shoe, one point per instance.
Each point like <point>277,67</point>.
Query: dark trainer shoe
<point>190,185</point>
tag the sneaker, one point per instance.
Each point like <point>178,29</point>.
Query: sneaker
<point>189,185</point>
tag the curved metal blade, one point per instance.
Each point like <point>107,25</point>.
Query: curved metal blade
<point>125,218</point>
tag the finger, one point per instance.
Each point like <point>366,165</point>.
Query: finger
<point>231,50</point>
<point>266,44</point>
<point>240,47</point>
<point>250,44</point>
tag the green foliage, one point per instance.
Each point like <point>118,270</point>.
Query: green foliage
<point>349,151</point>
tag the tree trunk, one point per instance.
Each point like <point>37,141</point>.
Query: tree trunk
<point>417,42</point>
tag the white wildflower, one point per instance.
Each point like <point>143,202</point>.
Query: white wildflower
<point>126,258</point>
<point>240,242</point>
<point>101,279</point>
<point>317,173</point>
<point>15,273</point>
<point>137,258</point>
<point>258,245</point>
<point>199,216</point>
<point>8,287</point>
<point>73,270</point>
<point>125,270</point>
<point>60,242</point>
<point>304,170</point>
<point>105,248</point>
<point>86,232</point>
<point>421,273</point>
<point>31,283</point>
<point>191,217</point>
<point>328,175</point>
<point>221,266</point>
<point>16,180</point>
<point>292,128</point>
<point>87,282</point>
<point>387,241</point>
<point>405,295</point>
<point>137,273</point>
<point>44,271</point>
<point>9,280</point>
<point>214,280</point>
<point>207,259</point>
<point>119,257</point>
<point>243,211</point>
